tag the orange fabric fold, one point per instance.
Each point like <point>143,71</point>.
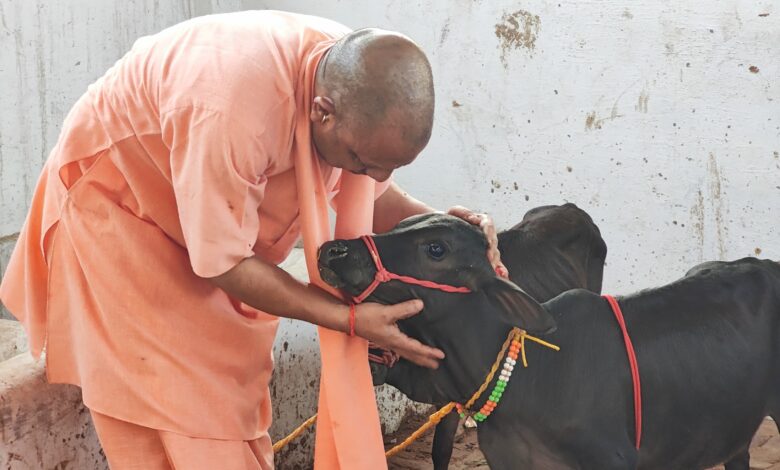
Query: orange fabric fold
<point>348,430</point>
<point>129,446</point>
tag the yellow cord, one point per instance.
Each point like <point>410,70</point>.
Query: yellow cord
<point>541,341</point>
<point>516,333</point>
<point>306,424</point>
<point>492,372</point>
<point>519,335</point>
<point>523,336</point>
<point>432,421</point>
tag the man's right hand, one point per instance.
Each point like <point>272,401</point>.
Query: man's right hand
<point>377,323</point>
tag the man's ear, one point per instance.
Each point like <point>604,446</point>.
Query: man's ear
<point>516,308</point>
<point>322,108</point>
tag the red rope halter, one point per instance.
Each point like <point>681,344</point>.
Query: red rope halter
<point>383,275</point>
<point>634,368</point>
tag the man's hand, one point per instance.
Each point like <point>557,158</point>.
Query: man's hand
<point>486,224</point>
<point>268,288</point>
<point>377,323</point>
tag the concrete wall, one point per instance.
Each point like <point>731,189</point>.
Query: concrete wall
<point>661,119</point>
<point>49,52</point>
<point>6,246</point>
<point>44,426</point>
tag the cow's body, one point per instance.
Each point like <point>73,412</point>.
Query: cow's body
<point>553,249</point>
<point>706,347</point>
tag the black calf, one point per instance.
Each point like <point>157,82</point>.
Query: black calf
<point>706,346</point>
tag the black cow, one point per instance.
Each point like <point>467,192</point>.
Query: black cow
<point>553,249</point>
<point>706,345</point>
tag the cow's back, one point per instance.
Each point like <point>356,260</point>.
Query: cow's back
<point>707,347</point>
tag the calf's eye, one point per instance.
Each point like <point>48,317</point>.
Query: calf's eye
<point>435,250</point>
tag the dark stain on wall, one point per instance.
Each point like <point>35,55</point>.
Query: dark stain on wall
<point>716,195</point>
<point>518,30</point>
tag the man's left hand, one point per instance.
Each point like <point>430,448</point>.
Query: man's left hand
<point>486,224</point>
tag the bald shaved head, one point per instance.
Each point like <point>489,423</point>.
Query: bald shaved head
<point>372,110</point>
<point>377,77</point>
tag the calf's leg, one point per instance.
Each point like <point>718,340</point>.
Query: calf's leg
<point>443,441</point>
<point>378,373</point>
<point>741,461</point>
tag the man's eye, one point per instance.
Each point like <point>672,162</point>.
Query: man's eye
<point>436,250</point>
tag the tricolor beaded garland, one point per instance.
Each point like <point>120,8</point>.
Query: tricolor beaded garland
<point>503,379</point>
<point>516,348</point>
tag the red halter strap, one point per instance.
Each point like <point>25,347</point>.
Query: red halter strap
<point>383,275</point>
<point>634,368</point>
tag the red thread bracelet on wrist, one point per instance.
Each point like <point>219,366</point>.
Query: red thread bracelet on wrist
<point>351,320</point>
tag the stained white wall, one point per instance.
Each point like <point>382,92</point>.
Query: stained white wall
<point>50,51</point>
<point>660,118</point>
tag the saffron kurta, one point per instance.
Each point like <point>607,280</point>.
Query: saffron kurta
<point>175,165</point>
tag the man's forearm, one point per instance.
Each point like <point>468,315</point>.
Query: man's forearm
<point>394,206</point>
<point>269,288</point>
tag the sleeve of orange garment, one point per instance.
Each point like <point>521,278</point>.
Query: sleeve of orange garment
<point>217,171</point>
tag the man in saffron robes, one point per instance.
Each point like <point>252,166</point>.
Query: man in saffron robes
<point>147,266</point>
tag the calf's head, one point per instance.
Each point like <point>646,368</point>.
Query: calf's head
<point>554,249</point>
<point>442,249</point>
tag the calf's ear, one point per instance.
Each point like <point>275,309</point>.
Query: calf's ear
<point>516,308</point>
